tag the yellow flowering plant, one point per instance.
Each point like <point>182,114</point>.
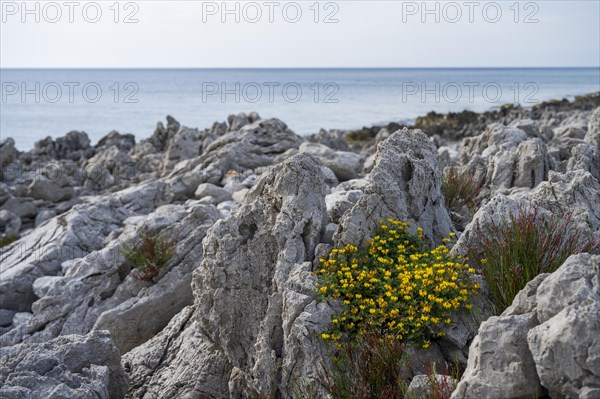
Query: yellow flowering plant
<point>395,288</point>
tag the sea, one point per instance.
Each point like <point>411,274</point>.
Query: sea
<point>36,103</point>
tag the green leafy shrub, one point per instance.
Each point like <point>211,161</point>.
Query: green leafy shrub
<point>515,251</point>
<point>149,254</point>
<point>395,288</point>
<point>6,240</point>
<point>460,188</point>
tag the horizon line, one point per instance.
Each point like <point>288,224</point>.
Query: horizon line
<point>306,68</point>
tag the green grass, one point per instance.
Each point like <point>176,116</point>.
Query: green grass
<point>460,188</point>
<point>148,255</point>
<point>8,239</point>
<point>515,251</point>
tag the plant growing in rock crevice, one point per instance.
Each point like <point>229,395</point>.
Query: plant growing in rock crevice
<point>460,189</point>
<point>394,291</point>
<point>527,243</point>
<point>6,240</point>
<point>150,253</point>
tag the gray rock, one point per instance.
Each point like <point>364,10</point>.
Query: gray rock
<point>565,344</point>
<point>6,317</point>
<point>593,132</point>
<point>43,215</point>
<point>405,184</point>
<point>346,165</point>
<point>545,341</point>
<point>74,366</point>
<point>124,142</point>
<point>218,193</point>
<point>262,331</point>
<point>340,202</point>
<point>515,157</point>
<point>20,206</point>
<point>50,190</point>
<point>255,145</point>
<point>72,235</point>
<point>98,293</point>
<point>424,386</point>
<point>9,222</point>
<point>21,318</point>
<point>8,154</point>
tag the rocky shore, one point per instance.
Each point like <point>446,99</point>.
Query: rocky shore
<point>251,207</point>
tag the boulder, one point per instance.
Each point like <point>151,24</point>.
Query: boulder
<point>515,156</point>
<point>9,223</point>
<point>404,184</point>
<point>545,342</point>
<point>346,165</point>
<point>255,321</point>
<point>424,386</point>
<point>218,193</point>
<point>72,235</point>
<point>74,366</point>
<point>593,132</point>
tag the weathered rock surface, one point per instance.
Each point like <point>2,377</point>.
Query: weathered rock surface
<point>346,165</point>
<point>404,184</point>
<point>421,386</point>
<point>68,236</point>
<point>73,366</point>
<point>96,292</point>
<point>546,341</point>
<point>516,156</point>
<point>262,330</point>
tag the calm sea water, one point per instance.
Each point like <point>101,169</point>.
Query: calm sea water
<point>40,103</point>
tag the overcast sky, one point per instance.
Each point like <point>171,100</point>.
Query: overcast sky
<point>357,34</point>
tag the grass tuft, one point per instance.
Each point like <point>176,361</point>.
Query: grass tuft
<point>515,251</point>
<point>149,254</point>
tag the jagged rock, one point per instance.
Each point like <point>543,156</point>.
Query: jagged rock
<point>218,193</point>
<point>586,157</point>
<point>515,157</point>
<point>168,365</point>
<point>346,165</point>
<point>21,206</point>
<point>546,340</point>
<point>405,184</point>
<point>124,314</point>
<point>97,293</point>
<point>255,145</point>
<point>593,133</point>
<point>184,144</point>
<point>574,192</point>
<point>9,223</point>
<point>111,159</point>
<point>50,189</point>
<point>69,236</point>
<point>74,146</point>
<point>6,317</point>
<point>67,367</point>
<point>421,386</point>
<point>500,364</point>
<point>334,139</point>
<point>43,215</point>
<point>8,154</point>
<point>339,202</point>
<point>261,331</point>
<point>124,142</point>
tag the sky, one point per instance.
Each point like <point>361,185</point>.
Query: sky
<point>288,34</point>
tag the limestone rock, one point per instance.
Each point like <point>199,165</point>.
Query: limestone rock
<point>346,165</point>
<point>405,184</point>
<point>74,366</point>
<point>546,341</point>
<point>255,320</point>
